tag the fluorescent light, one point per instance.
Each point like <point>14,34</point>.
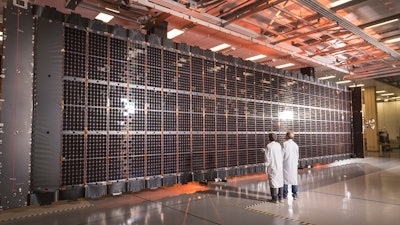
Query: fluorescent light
<point>104,17</point>
<point>378,92</point>
<point>174,33</point>
<point>284,65</point>
<point>362,89</point>
<point>357,85</point>
<point>378,99</point>
<point>340,2</point>
<point>112,10</point>
<point>285,115</point>
<point>343,82</point>
<point>392,40</point>
<point>383,23</point>
<point>256,57</point>
<point>387,94</point>
<point>220,47</point>
<point>327,77</point>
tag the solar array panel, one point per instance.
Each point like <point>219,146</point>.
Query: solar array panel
<point>134,110</point>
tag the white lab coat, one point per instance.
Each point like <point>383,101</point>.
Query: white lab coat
<point>290,162</point>
<point>274,164</point>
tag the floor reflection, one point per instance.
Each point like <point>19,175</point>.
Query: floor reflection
<point>362,190</point>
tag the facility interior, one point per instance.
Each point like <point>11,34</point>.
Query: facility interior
<point>156,112</point>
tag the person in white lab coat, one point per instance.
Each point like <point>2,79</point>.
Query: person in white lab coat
<point>274,164</point>
<point>290,165</point>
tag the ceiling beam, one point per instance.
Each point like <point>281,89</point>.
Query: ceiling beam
<point>334,9</point>
<point>212,22</point>
<point>263,30</point>
<point>388,64</point>
<point>361,44</point>
<point>346,5</point>
<point>307,33</point>
<point>369,59</point>
<point>397,16</point>
<point>365,76</point>
<point>249,10</point>
<point>326,12</point>
<point>389,81</point>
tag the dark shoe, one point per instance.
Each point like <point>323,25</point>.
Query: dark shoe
<point>274,201</point>
<point>295,197</point>
<point>284,197</point>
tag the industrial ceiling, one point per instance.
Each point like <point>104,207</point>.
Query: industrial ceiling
<point>356,40</point>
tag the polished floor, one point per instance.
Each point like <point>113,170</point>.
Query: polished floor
<point>354,191</point>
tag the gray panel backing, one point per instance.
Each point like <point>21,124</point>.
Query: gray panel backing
<point>16,109</point>
<point>46,136</point>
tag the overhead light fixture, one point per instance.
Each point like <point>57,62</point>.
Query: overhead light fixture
<point>285,115</point>
<point>386,100</point>
<point>220,47</point>
<point>327,77</point>
<point>174,33</point>
<point>392,39</point>
<point>387,94</point>
<point>340,2</point>
<point>112,10</point>
<point>357,85</point>
<point>104,17</point>
<point>378,92</point>
<point>343,81</point>
<point>256,57</point>
<point>378,99</point>
<point>382,23</point>
<point>362,89</point>
<point>284,65</point>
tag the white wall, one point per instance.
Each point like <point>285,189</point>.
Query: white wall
<point>389,118</point>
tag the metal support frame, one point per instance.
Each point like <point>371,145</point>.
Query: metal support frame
<point>16,107</point>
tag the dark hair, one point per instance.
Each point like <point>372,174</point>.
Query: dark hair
<point>272,136</point>
<point>289,135</point>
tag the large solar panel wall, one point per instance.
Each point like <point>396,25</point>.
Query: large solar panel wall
<point>143,112</point>
<point>143,107</point>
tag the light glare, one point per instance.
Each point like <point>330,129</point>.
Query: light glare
<point>286,115</point>
<point>340,2</point>
<point>104,17</point>
<point>256,57</point>
<point>327,77</point>
<point>220,47</point>
<point>284,65</point>
<point>174,33</point>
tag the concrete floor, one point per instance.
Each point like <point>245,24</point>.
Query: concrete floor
<point>354,191</point>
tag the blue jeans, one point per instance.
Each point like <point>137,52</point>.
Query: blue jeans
<point>294,190</point>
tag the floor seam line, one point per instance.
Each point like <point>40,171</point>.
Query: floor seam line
<point>369,200</point>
